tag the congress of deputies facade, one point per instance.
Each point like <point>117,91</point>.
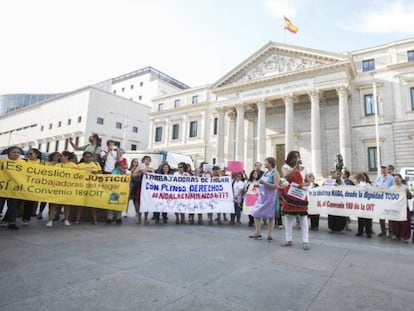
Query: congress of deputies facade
<point>286,97</point>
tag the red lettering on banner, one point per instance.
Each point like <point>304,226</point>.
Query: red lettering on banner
<point>370,207</point>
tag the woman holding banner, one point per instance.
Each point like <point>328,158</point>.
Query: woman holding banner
<point>33,156</point>
<point>364,224</point>
<point>215,172</point>
<point>314,219</point>
<point>53,159</point>
<point>87,164</point>
<point>13,155</point>
<point>401,230</point>
<point>144,167</point>
<point>198,173</point>
<point>165,169</point>
<point>182,171</point>
<point>66,161</point>
<point>265,204</point>
<point>294,202</point>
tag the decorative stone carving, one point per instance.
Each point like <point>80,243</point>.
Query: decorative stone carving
<point>277,64</point>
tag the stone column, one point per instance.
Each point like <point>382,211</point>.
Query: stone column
<point>250,134</point>
<point>230,131</point>
<point>202,129</point>
<point>261,130</point>
<point>240,133</point>
<point>344,127</point>
<point>220,135</point>
<point>167,130</point>
<point>184,133</point>
<point>316,148</point>
<point>151,133</point>
<point>288,122</point>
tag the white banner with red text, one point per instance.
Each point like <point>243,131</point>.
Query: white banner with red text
<point>354,201</point>
<point>186,194</point>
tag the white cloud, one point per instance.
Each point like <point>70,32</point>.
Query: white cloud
<point>384,18</point>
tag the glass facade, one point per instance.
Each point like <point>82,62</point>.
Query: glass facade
<point>12,102</point>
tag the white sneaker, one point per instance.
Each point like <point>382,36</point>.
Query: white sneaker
<point>49,223</point>
<point>67,223</point>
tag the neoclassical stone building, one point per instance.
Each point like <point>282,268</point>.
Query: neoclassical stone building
<point>286,97</point>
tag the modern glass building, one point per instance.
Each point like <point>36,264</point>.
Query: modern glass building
<point>12,102</point>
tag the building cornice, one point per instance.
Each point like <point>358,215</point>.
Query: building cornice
<point>205,87</point>
<point>383,46</point>
<point>190,108</point>
<point>280,78</point>
<point>399,66</point>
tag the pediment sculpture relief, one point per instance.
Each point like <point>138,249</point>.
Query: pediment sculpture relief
<point>278,64</point>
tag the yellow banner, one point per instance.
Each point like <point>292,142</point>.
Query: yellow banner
<point>21,180</point>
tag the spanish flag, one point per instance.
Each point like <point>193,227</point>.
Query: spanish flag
<point>290,26</point>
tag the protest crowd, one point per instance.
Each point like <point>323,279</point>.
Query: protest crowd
<point>265,195</point>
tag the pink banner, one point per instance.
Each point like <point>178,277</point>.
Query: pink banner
<point>235,166</point>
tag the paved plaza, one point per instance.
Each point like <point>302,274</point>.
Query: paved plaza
<point>185,267</point>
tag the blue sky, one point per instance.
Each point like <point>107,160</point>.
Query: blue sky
<point>56,46</point>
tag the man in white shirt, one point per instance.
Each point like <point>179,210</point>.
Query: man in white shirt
<point>384,181</point>
<point>110,156</point>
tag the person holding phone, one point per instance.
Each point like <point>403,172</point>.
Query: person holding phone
<point>110,156</point>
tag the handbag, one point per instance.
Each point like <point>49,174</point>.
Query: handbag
<point>250,199</point>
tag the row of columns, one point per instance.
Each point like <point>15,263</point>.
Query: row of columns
<point>316,148</point>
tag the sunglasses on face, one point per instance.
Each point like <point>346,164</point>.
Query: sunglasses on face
<point>30,153</point>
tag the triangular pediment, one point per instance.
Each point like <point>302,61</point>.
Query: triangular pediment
<point>278,59</point>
